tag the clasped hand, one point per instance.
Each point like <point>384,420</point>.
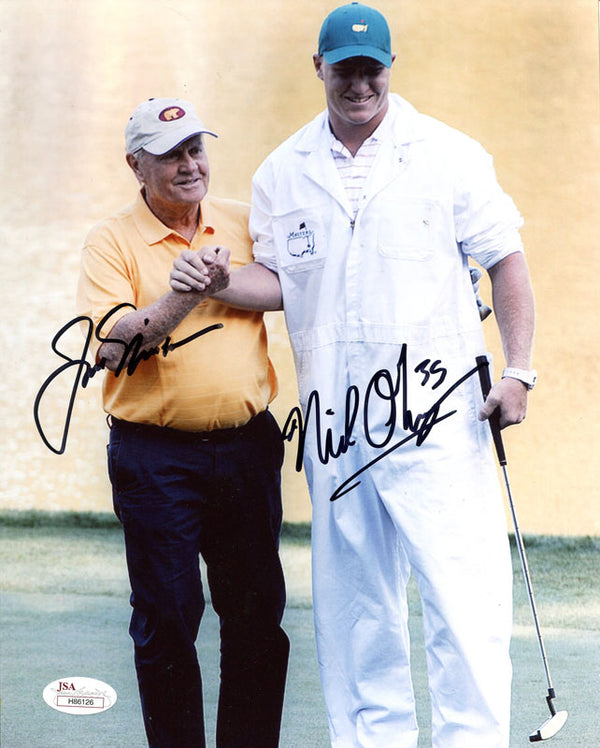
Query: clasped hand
<point>204,271</point>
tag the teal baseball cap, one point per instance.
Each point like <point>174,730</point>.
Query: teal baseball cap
<point>355,30</point>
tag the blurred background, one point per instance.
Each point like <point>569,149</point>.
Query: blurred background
<point>520,76</point>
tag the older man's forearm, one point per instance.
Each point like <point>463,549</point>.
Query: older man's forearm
<point>152,324</point>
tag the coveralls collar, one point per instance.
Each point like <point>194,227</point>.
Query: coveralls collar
<point>402,126</point>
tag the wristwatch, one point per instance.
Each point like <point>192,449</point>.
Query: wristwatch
<point>529,378</point>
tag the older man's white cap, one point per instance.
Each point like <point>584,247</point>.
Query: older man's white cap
<point>159,125</point>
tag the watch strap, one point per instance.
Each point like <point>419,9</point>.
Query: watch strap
<point>527,376</point>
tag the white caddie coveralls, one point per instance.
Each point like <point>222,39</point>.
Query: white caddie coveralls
<point>384,325</point>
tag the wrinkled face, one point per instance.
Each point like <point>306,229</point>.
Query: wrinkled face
<point>177,178</point>
<point>356,90</point>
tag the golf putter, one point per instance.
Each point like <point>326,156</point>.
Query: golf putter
<point>557,719</point>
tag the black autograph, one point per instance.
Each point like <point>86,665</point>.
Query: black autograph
<point>133,354</point>
<point>386,387</point>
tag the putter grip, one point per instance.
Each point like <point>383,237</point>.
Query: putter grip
<point>486,385</point>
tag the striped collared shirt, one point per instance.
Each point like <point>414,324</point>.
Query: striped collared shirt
<point>354,170</point>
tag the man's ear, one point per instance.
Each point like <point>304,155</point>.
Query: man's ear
<point>134,163</point>
<point>318,63</point>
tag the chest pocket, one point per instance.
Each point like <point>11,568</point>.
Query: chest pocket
<point>409,228</point>
<point>301,240</point>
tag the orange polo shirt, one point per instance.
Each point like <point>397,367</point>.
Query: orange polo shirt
<point>219,379</point>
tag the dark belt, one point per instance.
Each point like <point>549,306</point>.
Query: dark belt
<point>216,436</point>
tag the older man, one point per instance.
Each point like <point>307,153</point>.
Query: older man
<point>194,454</point>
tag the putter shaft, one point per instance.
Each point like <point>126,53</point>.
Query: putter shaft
<point>557,720</point>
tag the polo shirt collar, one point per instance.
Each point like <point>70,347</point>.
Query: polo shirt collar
<point>382,131</point>
<point>154,231</point>
<point>207,216</point>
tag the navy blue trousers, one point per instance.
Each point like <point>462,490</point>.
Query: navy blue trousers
<point>179,495</point>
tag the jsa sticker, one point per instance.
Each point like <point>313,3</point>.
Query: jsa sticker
<point>79,695</point>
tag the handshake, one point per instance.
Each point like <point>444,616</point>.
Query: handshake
<point>204,271</point>
<point>207,272</point>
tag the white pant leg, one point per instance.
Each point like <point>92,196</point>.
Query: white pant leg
<point>359,593</point>
<point>456,539</point>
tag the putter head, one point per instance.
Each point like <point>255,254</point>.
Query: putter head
<point>550,727</point>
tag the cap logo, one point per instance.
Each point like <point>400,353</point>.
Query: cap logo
<point>171,113</point>
<point>360,27</point>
